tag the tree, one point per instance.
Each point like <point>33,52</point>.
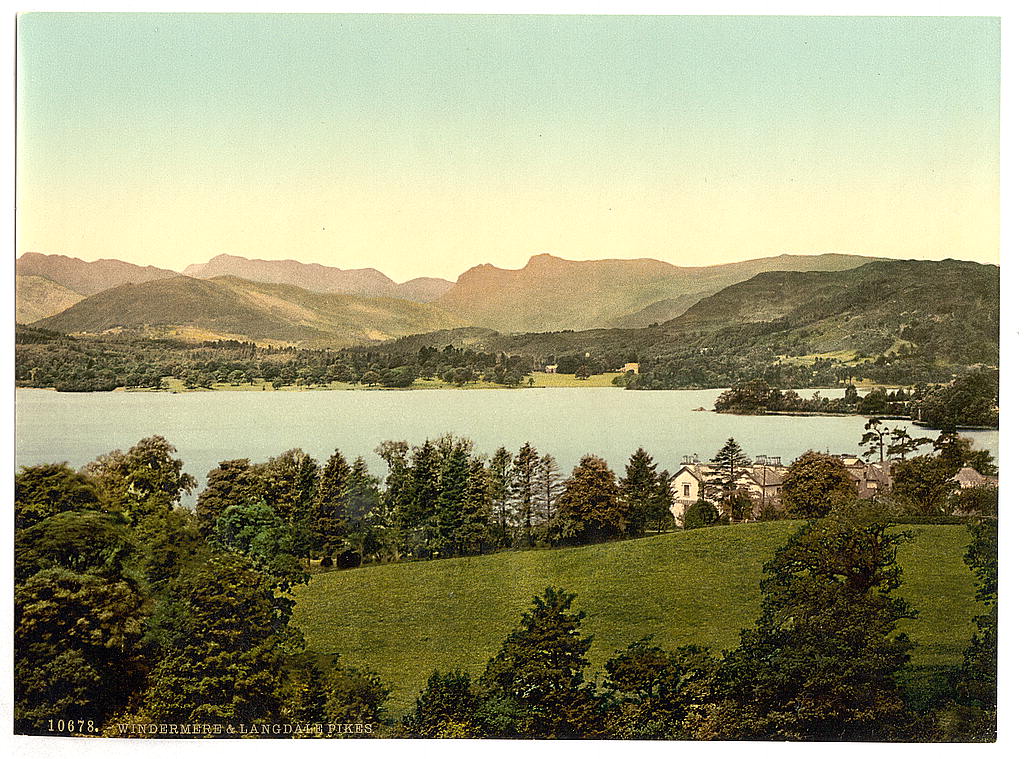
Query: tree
<point>500,471</point>
<point>700,514</point>
<point>923,483</point>
<point>79,610</point>
<point>47,489</point>
<point>589,508</point>
<point>331,505</point>
<point>815,484</point>
<point>223,636</point>
<point>639,491</point>
<point>901,443</point>
<point>355,696</point>
<point>144,480</point>
<point>534,686</point>
<point>728,466</point>
<point>972,716</point>
<point>822,661</point>
<point>230,484</point>
<point>526,488</point>
<point>77,648</point>
<point>446,708</point>
<point>288,484</point>
<point>658,694</point>
<point>660,516</point>
<point>875,438</point>
<point>548,474</point>
<point>256,531</point>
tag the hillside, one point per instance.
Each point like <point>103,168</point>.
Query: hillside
<point>949,308</point>
<point>37,297</point>
<point>405,620</point>
<point>552,293</point>
<point>319,278</point>
<point>87,277</point>
<point>227,307</point>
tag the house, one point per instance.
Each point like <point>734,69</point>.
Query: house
<point>630,366</point>
<point>687,485</point>
<point>762,481</point>
<point>871,479</point>
<point>969,477</point>
<point>550,368</point>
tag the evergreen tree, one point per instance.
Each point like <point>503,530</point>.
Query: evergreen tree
<point>549,477</point>
<point>500,470</point>
<point>723,483</point>
<point>534,686</point>
<point>451,496</point>
<point>590,508</point>
<point>475,520</point>
<point>639,491</point>
<point>331,506</point>
<point>526,489</point>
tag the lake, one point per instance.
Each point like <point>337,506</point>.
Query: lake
<point>209,427</point>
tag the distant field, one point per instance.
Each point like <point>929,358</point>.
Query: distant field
<point>405,620</point>
<point>540,379</point>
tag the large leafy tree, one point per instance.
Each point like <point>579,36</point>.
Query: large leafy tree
<point>923,483</point>
<point>79,609</point>
<point>47,489</point>
<point>590,507</point>
<point>230,484</point>
<point>723,483</point>
<point>660,694</point>
<point>446,708</point>
<point>222,631</point>
<point>823,659</point>
<point>815,484</point>
<point>144,480</point>
<point>534,686</point>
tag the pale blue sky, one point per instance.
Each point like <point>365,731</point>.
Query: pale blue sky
<point>425,144</point>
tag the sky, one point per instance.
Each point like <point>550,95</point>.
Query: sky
<point>424,145</point>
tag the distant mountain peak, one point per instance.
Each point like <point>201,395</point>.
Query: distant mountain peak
<point>320,278</point>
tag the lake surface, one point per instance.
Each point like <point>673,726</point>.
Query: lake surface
<point>210,427</point>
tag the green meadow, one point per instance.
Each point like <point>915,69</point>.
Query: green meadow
<point>702,587</point>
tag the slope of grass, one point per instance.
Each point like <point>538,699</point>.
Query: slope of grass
<point>701,587</point>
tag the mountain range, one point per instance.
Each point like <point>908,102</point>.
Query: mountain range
<point>551,293</point>
<point>836,302</point>
<point>232,308</point>
<point>321,279</point>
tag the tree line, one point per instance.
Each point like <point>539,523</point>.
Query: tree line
<point>44,358</point>
<point>971,400</point>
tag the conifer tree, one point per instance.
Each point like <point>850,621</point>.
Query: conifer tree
<point>526,488</point>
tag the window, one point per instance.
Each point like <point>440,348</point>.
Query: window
<point>686,491</point>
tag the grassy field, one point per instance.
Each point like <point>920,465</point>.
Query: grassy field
<point>540,379</point>
<point>405,620</point>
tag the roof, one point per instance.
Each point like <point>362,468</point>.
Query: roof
<point>970,476</point>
